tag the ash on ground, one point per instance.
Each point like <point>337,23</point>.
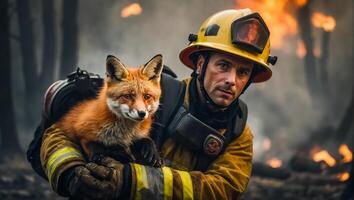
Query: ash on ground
<point>19,181</point>
<point>300,185</point>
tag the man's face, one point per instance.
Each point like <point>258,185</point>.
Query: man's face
<point>225,77</point>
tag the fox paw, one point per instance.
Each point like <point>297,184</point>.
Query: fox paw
<point>146,153</point>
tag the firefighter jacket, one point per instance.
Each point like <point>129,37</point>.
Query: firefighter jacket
<point>226,177</point>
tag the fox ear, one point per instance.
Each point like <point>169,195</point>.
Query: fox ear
<point>153,68</point>
<point>115,69</point>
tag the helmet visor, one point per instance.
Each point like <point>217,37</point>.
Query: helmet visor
<point>250,33</point>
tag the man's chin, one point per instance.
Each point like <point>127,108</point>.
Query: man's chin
<point>222,102</point>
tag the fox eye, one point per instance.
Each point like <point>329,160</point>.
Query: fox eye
<point>128,96</point>
<point>147,96</point>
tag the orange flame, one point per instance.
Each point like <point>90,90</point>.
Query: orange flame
<point>300,3</point>
<point>324,156</point>
<point>131,10</point>
<point>343,176</point>
<point>301,50</point>
<point>277,16</point>
<point>274,163</point>
<point>319,20</point>
<point>346,153</point>
<point>267,144</point>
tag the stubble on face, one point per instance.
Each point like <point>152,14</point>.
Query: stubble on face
<point>225,77</point>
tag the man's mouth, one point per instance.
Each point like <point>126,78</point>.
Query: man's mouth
<point>227,92</point>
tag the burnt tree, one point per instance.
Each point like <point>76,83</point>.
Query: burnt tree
<point>69,52</point>
<point>9,144</point>
<point>304,18</point>
<point>346,124</point>
<point>35,82</point>
<point>323,64</point>
<point>29,62</point>
<point>49,44</point>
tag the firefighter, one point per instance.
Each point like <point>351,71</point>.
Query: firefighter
<point>230,51</point>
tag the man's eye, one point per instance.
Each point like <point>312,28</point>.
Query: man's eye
<point>243,72</point>
<point>223,66</point>
<point>147,96</point>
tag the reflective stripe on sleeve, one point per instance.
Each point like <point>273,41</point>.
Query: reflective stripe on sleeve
<point>187,185</point>
<point>157,183</point>
<point>153,183</point>
<point>142,184</point>
<point>168,183</point>
<point>59,157</point>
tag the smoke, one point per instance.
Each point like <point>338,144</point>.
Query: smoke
<point>284,110</point>
<point>281,109</point>
<point>163,27</point>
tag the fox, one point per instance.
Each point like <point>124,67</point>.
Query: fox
<point>117,122</point>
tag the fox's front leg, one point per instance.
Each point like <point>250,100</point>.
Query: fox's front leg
<point>146,153</point>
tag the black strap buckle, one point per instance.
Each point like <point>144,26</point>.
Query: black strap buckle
<point>196,135</point>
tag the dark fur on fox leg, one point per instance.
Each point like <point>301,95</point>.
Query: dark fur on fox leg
<point>117,152</point>
<point>143,151</point>
<point>146,153</point>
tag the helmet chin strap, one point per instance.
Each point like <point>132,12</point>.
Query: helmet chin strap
<point>204,93</point>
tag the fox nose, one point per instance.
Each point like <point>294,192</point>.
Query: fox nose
<point>141,114</point>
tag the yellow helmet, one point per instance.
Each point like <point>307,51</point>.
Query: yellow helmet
<point>238,32</point>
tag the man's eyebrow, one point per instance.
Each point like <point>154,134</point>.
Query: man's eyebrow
<point>245,67</point>
<point>225,61</point>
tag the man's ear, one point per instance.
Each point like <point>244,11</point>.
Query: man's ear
<point>115,69</point>
<point>200,62</point>
<point>153,68</point>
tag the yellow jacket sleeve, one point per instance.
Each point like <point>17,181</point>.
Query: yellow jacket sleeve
<point>226,178</point>
<point>58,153</point>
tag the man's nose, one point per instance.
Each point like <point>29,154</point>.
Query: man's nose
<point>230,79</point>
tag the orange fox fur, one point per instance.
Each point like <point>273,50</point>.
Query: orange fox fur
<point>123,110</point>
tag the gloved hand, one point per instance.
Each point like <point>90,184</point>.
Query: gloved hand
<point>94,181</point>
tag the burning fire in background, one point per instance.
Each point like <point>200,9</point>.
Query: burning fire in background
<point>319,155</point>
<point>131,10</point>
<point>301,49</point>
<point>274,163</point>
<point>343,176</point>
<point>323,155</point>
<point>279,15</point>
<point>346,153</point>
<point>319,20</point>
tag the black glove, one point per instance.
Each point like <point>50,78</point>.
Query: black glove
<point>93,182</point>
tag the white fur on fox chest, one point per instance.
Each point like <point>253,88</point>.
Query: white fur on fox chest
<point>118,133</point>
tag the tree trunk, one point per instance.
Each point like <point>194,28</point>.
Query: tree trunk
<point>8,135</point>
<point>304,18</point>
<point>323,66</point>
<point>349,191</point>
<point>69,52</point>
<point>347,121</point>
<point>29,63</point>
<point>49,45</point>
<point>28,49</point>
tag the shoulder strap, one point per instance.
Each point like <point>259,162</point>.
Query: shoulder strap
<point>171,99</point>
<point>239,122</point>
<point>234,131</point>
